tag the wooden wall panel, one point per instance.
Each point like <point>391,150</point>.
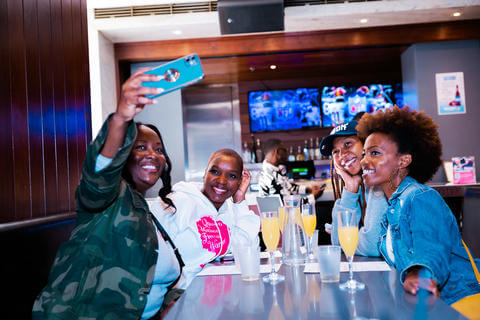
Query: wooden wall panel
<point>46,106</point>
<point>19,119</point>
<point>71,71</point>
<point>60,102</point>
<point>35,114</point>
<point>6,160</point>
<point>47,58</point>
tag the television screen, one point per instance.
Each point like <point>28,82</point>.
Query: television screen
<point>341,104</point>
<point>275,110</point>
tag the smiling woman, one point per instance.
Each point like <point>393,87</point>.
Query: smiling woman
<point>117,251</point>
<point>419,234</point>
<point>209,216</point>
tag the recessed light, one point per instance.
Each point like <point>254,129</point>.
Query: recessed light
<point>456,14</point>
<point>364,20</point>
<point>273,67</point>
<point>177,32</point>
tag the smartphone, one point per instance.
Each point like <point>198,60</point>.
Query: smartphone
<point>177,74</point>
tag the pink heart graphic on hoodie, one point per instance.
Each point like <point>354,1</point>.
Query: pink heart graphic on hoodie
<point>215,235</point>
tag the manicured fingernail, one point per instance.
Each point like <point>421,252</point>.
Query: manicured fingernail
<point>154,101</point>
<point>159,90</point>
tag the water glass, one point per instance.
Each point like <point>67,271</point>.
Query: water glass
<point>329,263</point>
<point>249,256</point>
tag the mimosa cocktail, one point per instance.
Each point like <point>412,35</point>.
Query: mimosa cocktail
<point>348,237</point>
<point>271,235</point>
<point>309,220</point>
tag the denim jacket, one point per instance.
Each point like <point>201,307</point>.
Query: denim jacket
<point>425,233</point>
<point>368,234</point>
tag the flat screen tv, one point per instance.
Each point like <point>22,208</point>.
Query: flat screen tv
<point>340,104</point>
<point>275,110</point>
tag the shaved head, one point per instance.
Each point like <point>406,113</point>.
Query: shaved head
<point>230,153</point>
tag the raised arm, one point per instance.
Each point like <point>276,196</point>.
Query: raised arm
<point>132,101</point>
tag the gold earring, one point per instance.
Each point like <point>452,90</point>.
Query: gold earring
<point>393,174</point>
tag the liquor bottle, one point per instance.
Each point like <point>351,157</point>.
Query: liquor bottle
<point>291,155</point>
<point>253,152</point>
<point>305,150</point>
<point>300,156</point>
<point>318,155</point>
<point>311,150</point>
<point>258,151</point>
<point>246,154</point>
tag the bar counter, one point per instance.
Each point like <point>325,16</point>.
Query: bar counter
<point>303,296</point>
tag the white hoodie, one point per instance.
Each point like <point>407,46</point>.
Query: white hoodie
<point>200,232</point>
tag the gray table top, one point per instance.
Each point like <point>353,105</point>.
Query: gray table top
<point>303,296</point>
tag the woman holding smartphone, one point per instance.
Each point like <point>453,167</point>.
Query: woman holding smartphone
<point>118,263</point>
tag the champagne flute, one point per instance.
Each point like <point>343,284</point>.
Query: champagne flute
<point>281,220</point>
<point>271,235</point>
<point>348,236</point>
<point>309,219</point>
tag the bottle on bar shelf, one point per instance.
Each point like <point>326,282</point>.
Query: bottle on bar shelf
<point>246,153</point>
<point>318,155</point>
<point>311,150</point>
<point>291,155</point>
<point>305,150</point>
<point>258,151</point>
<point>300,156</point>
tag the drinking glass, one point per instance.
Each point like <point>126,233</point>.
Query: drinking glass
<point>348,236</point>
<point>271,235</point>
<point>281,220</point>
<point>309,223</point>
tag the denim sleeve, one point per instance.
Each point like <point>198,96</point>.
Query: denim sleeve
<point>430,223</point>
<point>349,200</point>
<point>369,234</point>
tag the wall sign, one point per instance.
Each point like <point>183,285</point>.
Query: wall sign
<point>450,93</point>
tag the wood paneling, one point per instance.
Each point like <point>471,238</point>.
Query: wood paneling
<point>303,59</point>
<point>298,41</point>
<point>44,107</point>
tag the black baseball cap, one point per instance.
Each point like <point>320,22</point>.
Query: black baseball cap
<point>344,129</point>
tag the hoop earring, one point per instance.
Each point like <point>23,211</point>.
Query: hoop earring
<point>401,173</point>
<point>393,174</point>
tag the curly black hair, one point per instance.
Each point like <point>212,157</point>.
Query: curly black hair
<point>166,174</point>
<point>414,132</point>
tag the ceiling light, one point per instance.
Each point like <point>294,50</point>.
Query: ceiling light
<point>177,32</point>
<point>364,20</point>
<point>252,68</point>
<point>456,14</point>
<point>273,67</point>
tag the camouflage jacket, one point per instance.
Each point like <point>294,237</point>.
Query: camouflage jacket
<point>105,270</point>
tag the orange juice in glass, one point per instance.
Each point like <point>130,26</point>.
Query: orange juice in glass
<point>348,237</point>
<point>309,220</point>
<point>270,236</point>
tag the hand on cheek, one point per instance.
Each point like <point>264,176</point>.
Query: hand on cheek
<point>242,189</point>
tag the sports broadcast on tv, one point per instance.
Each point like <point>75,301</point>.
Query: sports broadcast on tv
<point>284,109</point>
<point>341,104</point>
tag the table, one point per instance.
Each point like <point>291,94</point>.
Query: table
<point>303,296</point>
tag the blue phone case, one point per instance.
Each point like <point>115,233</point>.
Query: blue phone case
<point>178,74</point>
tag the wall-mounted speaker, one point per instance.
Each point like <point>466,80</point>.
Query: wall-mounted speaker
<point>245,16</point>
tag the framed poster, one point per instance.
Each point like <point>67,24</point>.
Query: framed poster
<point>450,93</point>
<point>464,170</point>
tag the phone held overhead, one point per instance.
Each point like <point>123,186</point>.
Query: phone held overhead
<point>177,74</point>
